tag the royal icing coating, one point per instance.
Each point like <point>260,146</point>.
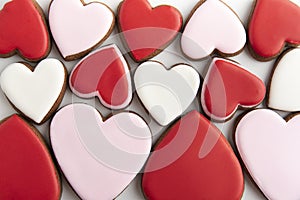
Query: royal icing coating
<point>166,94</point>
<point>19,18</point>
<point>77,27</point>
<point>284,91</point>
<point>146,30</point>
<point>207,30</point>
<point>26,170</point>
<point>269,147</point>
<point>105,74</point>
<point>99,159</point>
<point>273,24</point>
<point>34,93</point>
<point>227,86</point>
<point>178,169</point>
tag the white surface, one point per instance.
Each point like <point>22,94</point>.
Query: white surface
<point>171,56</point>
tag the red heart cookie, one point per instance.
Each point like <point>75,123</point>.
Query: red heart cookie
<point>274,23</point>
<point>26,169</point>
<point>193,161</point>
<point>227,86</point>
<point>146,30</point>
<point>24,30</point>
<point>104,74</point>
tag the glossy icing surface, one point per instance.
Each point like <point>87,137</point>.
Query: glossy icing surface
<point>98,158</point>
<point>105,74</point>
<point>19,18</point>
<point>284,91</point>
<point>77,28</point>
<point>34,92</point>
<point>166,94</point>
<point>193,161</point>
<point>269,147</point>
<point>26,170</point>
<point>207,30</point>
<point>228,85</point>
<point>147,30</point>
<point>274,23</point>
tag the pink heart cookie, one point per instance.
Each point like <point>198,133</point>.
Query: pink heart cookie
<point>207,31</point>
<point>99,158</point>
<point>270,147</point>
<point>78,28</point>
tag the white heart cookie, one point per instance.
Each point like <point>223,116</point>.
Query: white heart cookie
<point>285,83</point>
<point>270,147</point>
<point>213,26</point>
<point>99,158</point>
<point>166,94</point>
<point>77,27</point>
<point>35,93</point>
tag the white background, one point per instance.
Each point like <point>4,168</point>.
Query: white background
<point>133,192</point>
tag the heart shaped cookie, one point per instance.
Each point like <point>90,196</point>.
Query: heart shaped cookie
<point>207,31</point>
<point>105,74</point>
<point>99,158</point>
<point>19,18</point>
<point>26,170</point>
<point>284,91</point>
<point>78,28</point>
<point>35,92</point>
<point>227,86</point>
<point>146,30</point>
<point>269,147</point>
<point>166,94</point>
<point>273,25</point>
<point>193,160</point>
